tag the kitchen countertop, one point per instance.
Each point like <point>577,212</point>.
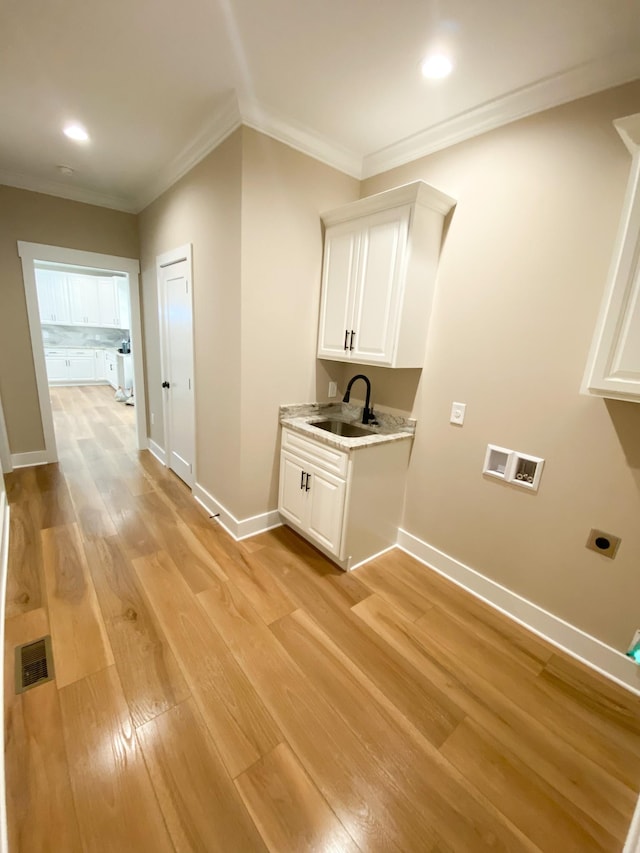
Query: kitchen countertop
<point>300,418</point>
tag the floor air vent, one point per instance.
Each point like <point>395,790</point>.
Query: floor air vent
<point>34,664</point>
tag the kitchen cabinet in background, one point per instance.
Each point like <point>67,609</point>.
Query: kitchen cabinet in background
<point>70,366</point>
<point>53,299</point>
<point>76,299</point>
<point>379,270</point>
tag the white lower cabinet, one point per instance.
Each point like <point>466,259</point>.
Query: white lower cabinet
<point>74,366</point>
<point>345,502</point>
<point>313,499</point>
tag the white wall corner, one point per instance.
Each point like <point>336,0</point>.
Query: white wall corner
<point>576,643</point>
<point>157,451</point>
<point>238,529</point>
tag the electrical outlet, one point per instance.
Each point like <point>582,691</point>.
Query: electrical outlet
<point>153,419</point>
<point>333,390</point>
<point>603,543</point>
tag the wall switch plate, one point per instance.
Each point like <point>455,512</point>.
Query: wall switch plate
<point>603,543</point>
<point>153,419</point>
<point>457,413</point>
<point>333,390</point>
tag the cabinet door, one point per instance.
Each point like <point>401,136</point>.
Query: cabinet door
<point>57,368</point>
<point>378,300</point>
<point>108,306</point>
<point>338,281</point>
<point>83,299</point>
<point>326,509</point>
<point>292,501</point>
<point>111,371</point>
<point>124,311</point>
<point>100,369</point>
<point>81,368</point>
<point>53,303</point>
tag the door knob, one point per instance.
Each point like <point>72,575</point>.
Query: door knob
<point>166,385</point>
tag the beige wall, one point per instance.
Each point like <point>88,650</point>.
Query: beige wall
<point>38,218</point>
<point>521,278</point>
<point>203,209</point>
<point>250,210</point>
<point>283,193</point>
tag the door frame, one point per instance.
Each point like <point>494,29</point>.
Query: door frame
<point>5,453</point>
<point>164,260</point>
<point>30,253</point>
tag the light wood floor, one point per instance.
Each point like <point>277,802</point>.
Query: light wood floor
<point>234,697</point>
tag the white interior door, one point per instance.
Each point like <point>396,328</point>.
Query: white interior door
<point>177,362</point>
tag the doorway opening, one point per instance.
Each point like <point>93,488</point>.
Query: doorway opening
<point>84,318</point>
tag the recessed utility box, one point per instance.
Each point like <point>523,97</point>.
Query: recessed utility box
<point>518,469</point>
<point>496,461</point>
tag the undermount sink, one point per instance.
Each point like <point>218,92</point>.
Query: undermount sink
<point>341,428</point>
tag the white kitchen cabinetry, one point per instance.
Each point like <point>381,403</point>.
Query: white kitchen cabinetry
<point>83,300</point>
<point>613,367</point>
<point>345,502</point>
<point>53,301</point>
<point>70,366</point>
<point>379,270</point>
<point>111,368</point>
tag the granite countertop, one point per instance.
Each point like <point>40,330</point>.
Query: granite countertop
<point>300,417</point>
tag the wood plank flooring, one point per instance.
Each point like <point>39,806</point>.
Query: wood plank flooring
<point>236,697</point>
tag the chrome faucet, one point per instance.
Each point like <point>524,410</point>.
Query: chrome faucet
<point>367,413</point>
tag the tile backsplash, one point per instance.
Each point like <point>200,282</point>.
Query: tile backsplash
<point>83,336</point>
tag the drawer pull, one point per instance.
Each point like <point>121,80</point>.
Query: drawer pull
<point>302,479</point>
<point>307,486</point>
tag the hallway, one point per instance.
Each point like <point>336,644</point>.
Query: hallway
<point>221,696</point>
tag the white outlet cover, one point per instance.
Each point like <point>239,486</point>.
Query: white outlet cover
<point>333,389</point>
<point>457,413</point>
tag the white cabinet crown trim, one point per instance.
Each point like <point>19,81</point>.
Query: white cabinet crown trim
<point>417,192</point>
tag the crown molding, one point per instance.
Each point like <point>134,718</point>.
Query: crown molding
<point>577,82</point>
<point>301,138</point>
<point>212,133</point>
<point>63,190</point>
<point>231,113</point>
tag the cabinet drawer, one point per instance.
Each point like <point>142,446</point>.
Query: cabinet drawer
<point>52,351</point>
<point>327,458</point>
<point>80,353</point>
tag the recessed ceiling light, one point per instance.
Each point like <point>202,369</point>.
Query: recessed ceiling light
<point>437,66</point>
<point>76,132</point>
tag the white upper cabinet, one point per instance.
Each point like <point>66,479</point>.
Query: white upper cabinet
<point>379,268</point>
<point>82,300</point>
<point>53,301</point>
<point>613,368</point>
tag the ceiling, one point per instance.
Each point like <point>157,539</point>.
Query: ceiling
<point>158,84</point>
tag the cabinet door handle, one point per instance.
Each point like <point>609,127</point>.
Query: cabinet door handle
<point>346,338</point>
<point>353,334</point>
<point>302,479</point>
<point>307,486</point>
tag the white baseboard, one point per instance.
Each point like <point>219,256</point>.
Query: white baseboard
<point>4,565</point>
<point>591,651</point>
<point>239,529</point>
<point>632,844</point>
<point>157,451</point>
<point>33,457</point>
